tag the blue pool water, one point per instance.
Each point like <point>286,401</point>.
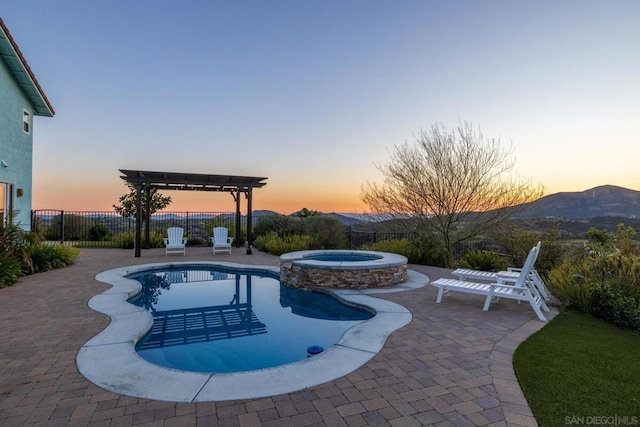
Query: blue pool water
<point>221,320</point>
<point>341,257</point>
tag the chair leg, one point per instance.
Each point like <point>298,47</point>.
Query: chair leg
<point>440,293</point>
<point>535,307</point>
<point>487,301</point>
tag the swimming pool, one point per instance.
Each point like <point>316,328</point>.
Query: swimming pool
<point>110,361</point>
<point>213,319</point>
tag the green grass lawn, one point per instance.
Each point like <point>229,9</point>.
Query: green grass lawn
<point>577,366</point>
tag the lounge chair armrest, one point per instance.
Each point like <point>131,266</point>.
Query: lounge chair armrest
<point>230,240</point>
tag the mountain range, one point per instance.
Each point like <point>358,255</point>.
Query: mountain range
<point>603,207</point>
<point>602,201</point>
<point>605,200</point>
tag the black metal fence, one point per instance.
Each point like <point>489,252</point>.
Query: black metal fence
<point>109,229</point>
<point>357,239</point>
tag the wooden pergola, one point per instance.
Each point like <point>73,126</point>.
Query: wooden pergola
<point>145,181</point>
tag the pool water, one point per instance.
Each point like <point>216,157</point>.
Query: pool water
<point>340,257</point>
<point>220,320</point>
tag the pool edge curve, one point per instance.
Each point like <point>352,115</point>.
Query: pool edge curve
<point>110,361</point>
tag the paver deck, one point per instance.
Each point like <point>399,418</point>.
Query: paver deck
<point>450,366</point>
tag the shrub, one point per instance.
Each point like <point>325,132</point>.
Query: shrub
<point>396,246</point>
<point>16,242</point>
<point>281,224</point>
<point>483,260</point>
<point>98,232</point>
<point>9,270</point>
<point>570,286</point>
<point>516,243</point>
<point>46,257</point>
<point>422,251</point>
<point>326,232</point>
<point>605,266</point>
<point>127,240</point>
<point>23,253</point>
<point>277,245</point>
<point>430,250</point>
<point>613,307</point>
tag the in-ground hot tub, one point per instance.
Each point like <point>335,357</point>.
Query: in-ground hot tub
<point>342,269</point>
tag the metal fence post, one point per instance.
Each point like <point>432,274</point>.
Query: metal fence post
<point>61,227</point>
<point>187,225</point>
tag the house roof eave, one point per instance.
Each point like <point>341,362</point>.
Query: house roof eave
<point>18,66</point>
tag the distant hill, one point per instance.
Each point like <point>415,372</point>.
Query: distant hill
<point>599,202</point>
<point>263,212</point>
<point>606,200</point>
<point>347,220</point>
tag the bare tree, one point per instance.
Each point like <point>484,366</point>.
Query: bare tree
<point>455,184</point>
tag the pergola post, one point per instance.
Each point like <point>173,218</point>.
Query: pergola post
<point>137,240</point>
<point>147,216</point>
<point>249,194</point>
<point>236,197</point>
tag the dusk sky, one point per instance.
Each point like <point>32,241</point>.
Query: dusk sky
<point>314,94</point>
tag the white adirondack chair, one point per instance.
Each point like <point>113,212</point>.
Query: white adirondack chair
<point>508,276</point>
<point>221,240</point>
<point>175,243</point>
<point>522,290</point>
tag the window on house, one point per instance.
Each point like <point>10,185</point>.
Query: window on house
<point>26,121</point>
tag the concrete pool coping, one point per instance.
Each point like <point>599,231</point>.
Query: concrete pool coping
<point>110,361</point>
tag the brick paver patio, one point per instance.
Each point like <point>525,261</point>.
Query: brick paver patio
<point>450,366</point>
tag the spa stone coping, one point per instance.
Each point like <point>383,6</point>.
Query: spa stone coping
<point>379,260</point>
<point>110,360</point>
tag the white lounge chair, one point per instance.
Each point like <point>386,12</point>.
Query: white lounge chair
<point>175,243</point>
<point>522,290</point>
<point>221,240</point>
<point>506,277</point>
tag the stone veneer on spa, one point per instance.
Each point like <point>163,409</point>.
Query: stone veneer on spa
<point>368,269</point>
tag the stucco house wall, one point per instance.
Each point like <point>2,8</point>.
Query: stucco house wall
<point>16,147</point>
<point>19,93</point>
